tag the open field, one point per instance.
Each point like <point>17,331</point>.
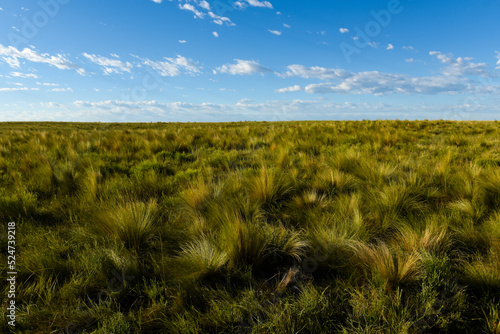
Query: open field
<point>299,227</point>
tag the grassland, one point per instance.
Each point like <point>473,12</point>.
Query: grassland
<point>298,227</point>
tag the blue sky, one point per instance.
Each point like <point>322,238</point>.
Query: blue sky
<point>225,60</point>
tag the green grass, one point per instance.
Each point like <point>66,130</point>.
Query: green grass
<point>287,227</point>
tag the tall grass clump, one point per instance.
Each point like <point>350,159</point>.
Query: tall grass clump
<point>269,187</point>
<point>131,222</point>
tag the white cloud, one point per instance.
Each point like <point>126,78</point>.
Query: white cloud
<point>215,33</point>
<point>410,60</point>
<point>157,1</point>
<point>295,88</point>
<point>109,65</point>
<point>286,25</point>
<point>182,41</point>
<point>315,72</point>
<point>408,48</point>
<point>390,47</point>
<point>275,32</point>
<point>24,75</point>
<point>374,82</point>
<point>254,3</point>
<point>245,109</point>
<point>16,89</point>
<point>61,89</point>
<point>243,67</point>
<point>343,30</point>
<point>460,66</point>
<point>193,9</point>
<point>47,84</point>
<point>12,55</point>
<point>498,62</point>
<point>205,5</point>
<point>203,9</point>
<point>452,80</point>
<point>220,19</point>
<point>172,67</point>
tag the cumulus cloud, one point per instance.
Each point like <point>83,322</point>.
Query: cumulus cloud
<point>215,33</point>
<point>343,30</point>
<point>24,75</point>
<point>109,65</point>
<point>460,66</point>
<point>172,67</point>
<point>243,67</point>
<point>275,32</point>
<point>339,81</point>
<point>12,56</point>
<point>390,47</point>
<point>455,78</point>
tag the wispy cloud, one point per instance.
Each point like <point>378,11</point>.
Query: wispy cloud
<point>243,67</point>
<point>172,67</point>
<point>16,89</point>
<point>24,75</point>
<point>498,62</point>
<point>390,47</point>
<point>61,89</point>
<point>191,8</point>
<point>109,65</point>
<point>47,84</point>
<point>253,3</point>
<point>275,32</point>
<point>203,9</point>
<point>12,56</point>
<point>315,72</point>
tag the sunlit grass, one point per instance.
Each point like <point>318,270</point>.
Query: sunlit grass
<point>307,227</point>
